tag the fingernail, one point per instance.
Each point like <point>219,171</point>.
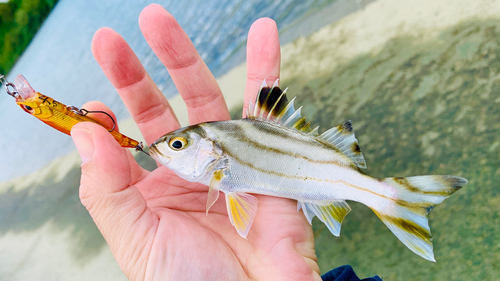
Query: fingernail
<point>84,144</point>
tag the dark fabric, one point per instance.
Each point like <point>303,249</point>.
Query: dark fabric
<point>345,273</point>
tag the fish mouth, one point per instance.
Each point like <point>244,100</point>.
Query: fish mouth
<point>158,155</point>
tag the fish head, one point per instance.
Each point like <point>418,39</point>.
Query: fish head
<point>28,99</point>
<point>187,152</point>
<point>35,107</point>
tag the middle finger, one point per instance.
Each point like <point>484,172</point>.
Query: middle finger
<point>191,76</point>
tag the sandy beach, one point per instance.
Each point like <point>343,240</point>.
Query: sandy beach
<point>420,81</point>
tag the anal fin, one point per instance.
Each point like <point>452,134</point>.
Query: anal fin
<point>241,209</point>
<point>331,214</point>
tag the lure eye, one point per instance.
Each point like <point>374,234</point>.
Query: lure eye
<point>28,109</point>
<point>178,143</point>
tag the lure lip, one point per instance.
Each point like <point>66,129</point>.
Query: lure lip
<point>23,88</point>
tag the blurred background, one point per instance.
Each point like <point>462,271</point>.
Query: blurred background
<point>420,81</point>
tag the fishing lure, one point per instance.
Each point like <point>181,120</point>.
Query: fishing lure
<point>58,115</point>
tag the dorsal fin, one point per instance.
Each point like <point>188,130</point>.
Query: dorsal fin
<point>342,137</point>
<point>272,105</point>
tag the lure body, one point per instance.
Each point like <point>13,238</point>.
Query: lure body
<point>58,115</point>
<point>275,152</point>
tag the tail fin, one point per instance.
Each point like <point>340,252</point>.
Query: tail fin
<point>416,197</point>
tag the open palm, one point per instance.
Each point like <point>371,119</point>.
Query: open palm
<point>155,222</point>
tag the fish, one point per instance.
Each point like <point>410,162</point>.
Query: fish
<point>274,151</point>
<point>58,115</point>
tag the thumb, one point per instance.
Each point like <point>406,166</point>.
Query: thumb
<point>115,206</point>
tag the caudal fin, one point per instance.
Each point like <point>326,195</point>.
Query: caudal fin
<point>416,197</point>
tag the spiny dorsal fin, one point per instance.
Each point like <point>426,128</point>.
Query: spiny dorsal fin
<point>342,137</point>
<point>272,105</point>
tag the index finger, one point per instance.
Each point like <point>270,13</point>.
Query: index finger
<point>141,96</point>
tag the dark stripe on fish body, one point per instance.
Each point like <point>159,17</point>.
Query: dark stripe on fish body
<point>199,130</point>
<point>290,134</point>
<point>268,128</point>
<point>415,206</point>
<point>284,152</point>
<point>228,127</point>
<point>243,137</point>
<point>227,151</point>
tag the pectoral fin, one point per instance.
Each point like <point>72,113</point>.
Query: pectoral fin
<point>241,209</point>
<point>213,190</point>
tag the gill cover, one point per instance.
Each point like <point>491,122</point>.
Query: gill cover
<point>187,152</point>
<point>36,109</point>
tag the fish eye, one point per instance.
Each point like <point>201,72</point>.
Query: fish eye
<point>177,143</point>
<point>28,108</point>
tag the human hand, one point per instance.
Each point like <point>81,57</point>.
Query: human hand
<point>155,222</point>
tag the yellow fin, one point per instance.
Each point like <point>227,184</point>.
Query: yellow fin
<point>213,190</point>
<point>410,222</point>
<point>411,227</point>
<point>241,209</point>
<point>331,214</point>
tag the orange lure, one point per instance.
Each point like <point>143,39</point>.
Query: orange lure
<point>57,115</point>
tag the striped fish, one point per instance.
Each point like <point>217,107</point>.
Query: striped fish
<point>275,152</point>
